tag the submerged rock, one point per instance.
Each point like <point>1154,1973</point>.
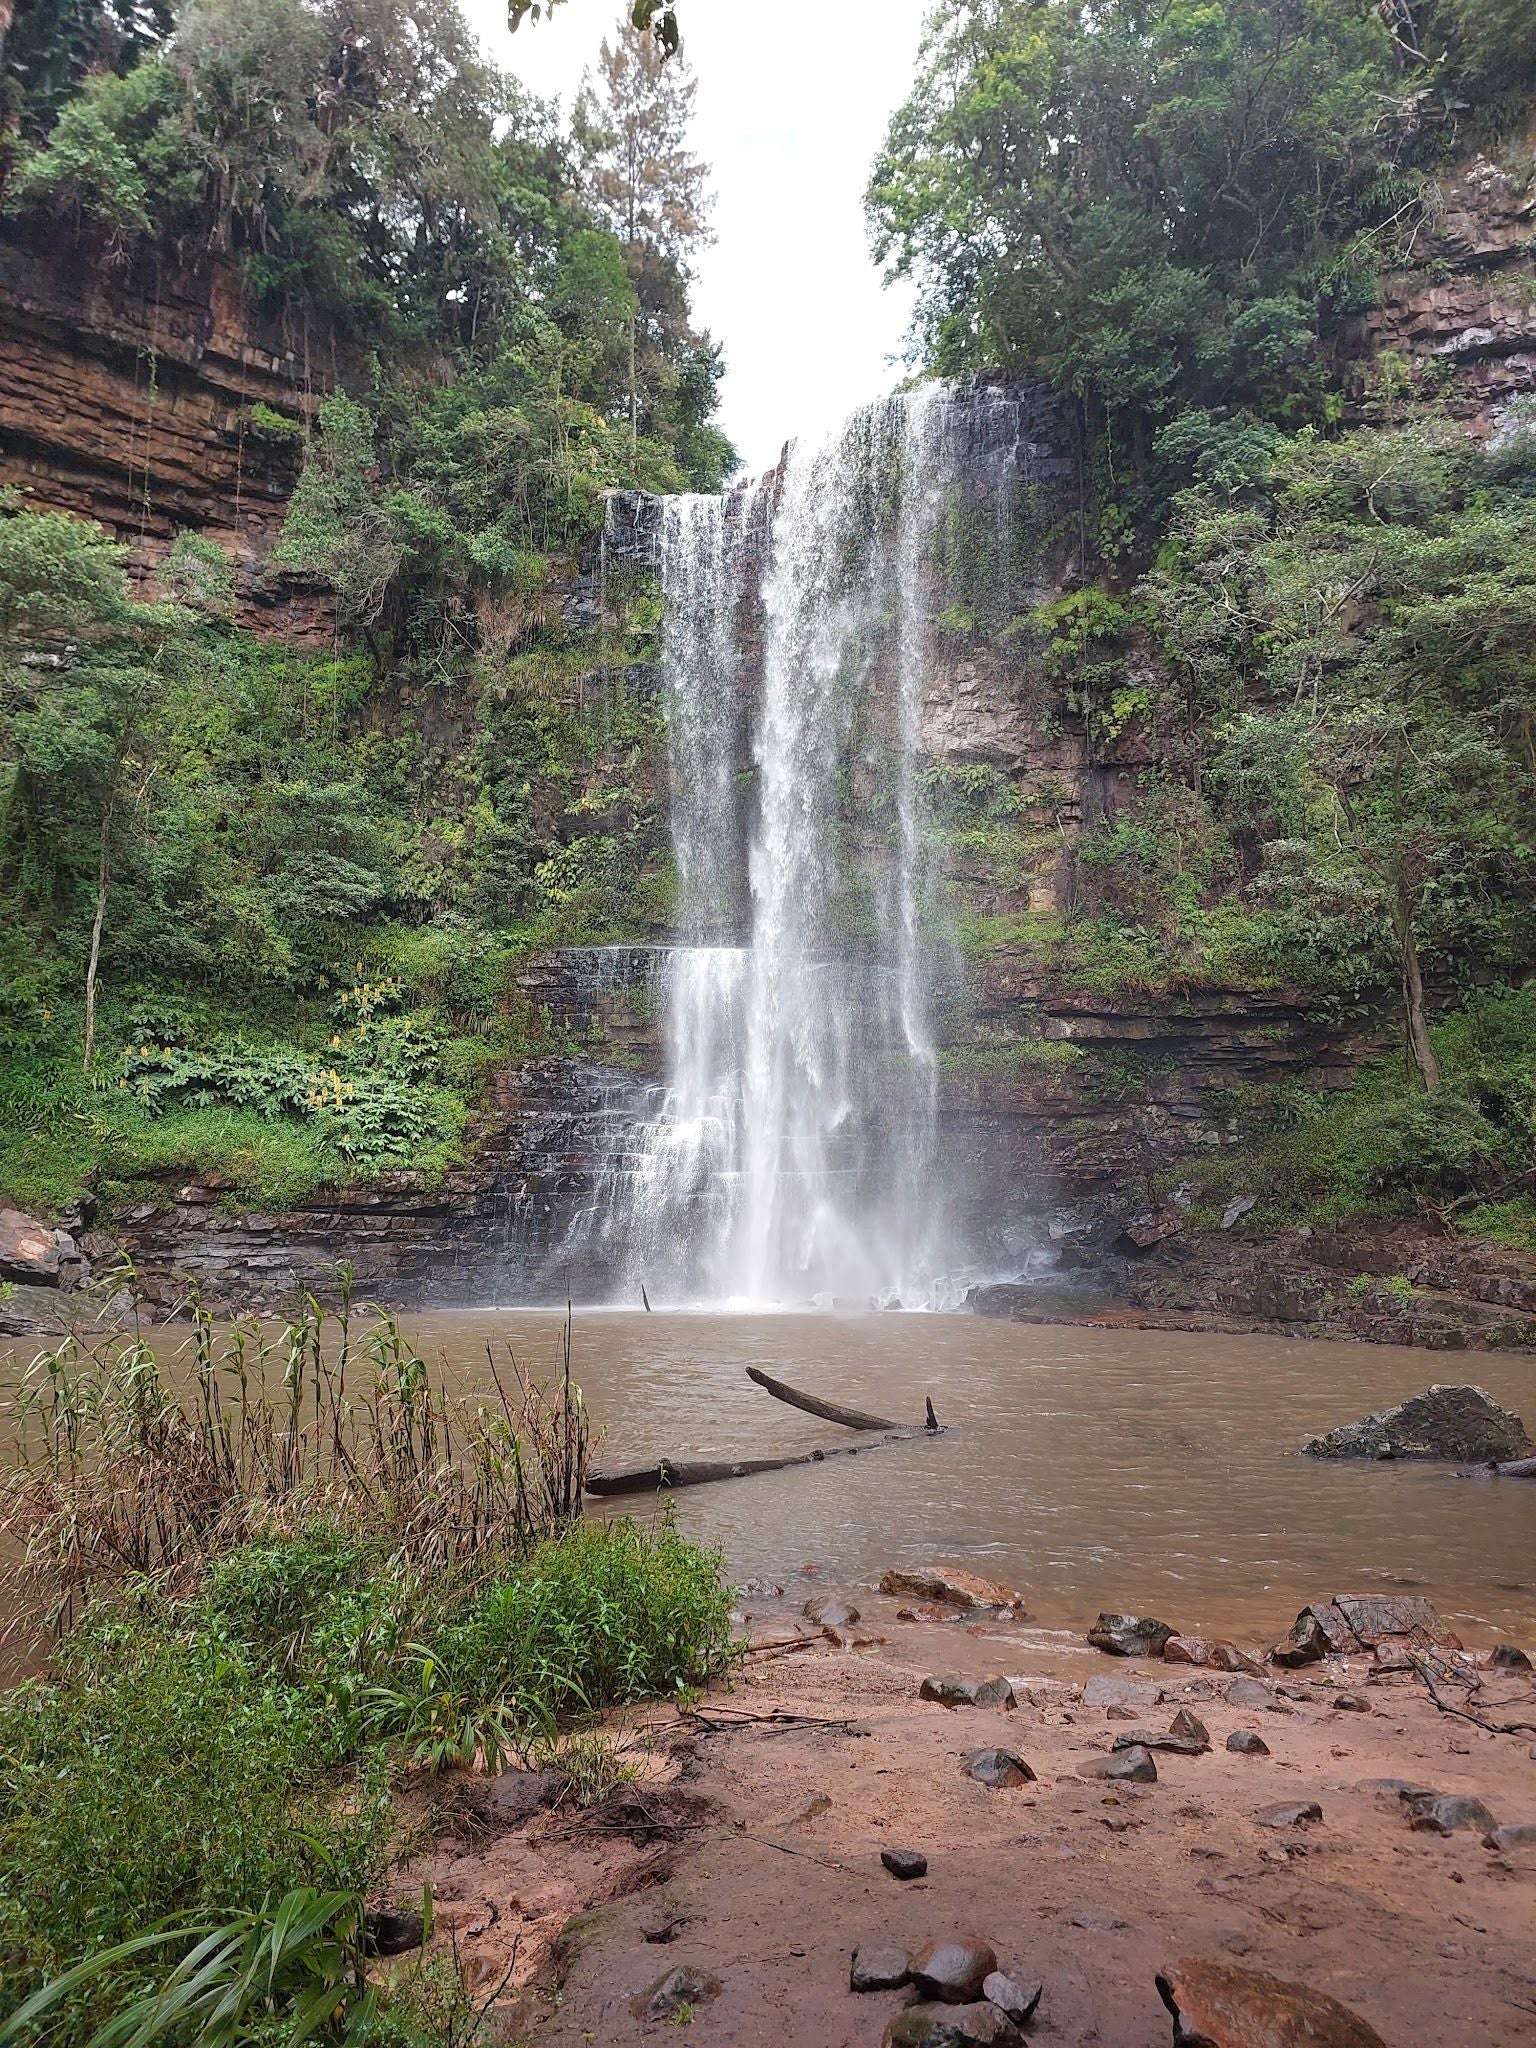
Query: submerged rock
<point>949,1588</point>
<point>1462,1424</point>
<point>1130,1635</point>
<point>953,1971</point>
<point>879,1966</point>
<point>955,1691</point>
<point>830,1612</point>
<point>1217,2005</point>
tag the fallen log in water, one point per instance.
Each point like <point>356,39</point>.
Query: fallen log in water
<point>667,1474</point>
<point>829,1411</point>
<point>1517,1468</point>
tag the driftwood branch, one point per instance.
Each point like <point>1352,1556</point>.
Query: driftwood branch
<point>829,1411</point>
<point>668,1474</point>
<point>1422,1666</point>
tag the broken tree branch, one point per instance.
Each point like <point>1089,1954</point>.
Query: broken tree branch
<point>829,1411</point>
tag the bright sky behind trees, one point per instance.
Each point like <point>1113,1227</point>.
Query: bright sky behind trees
<point>791,111</point>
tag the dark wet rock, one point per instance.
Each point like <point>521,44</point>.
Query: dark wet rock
<point>1290,1813</point>
<point>1171,1745</point>
<point>954,1691</point>
<point>1151,1227</point>
<point>1519,1834</point>
<point>684,1984</point>
<point>1462,1424</point>
<point>1218,2005</point>
<point>1442,1813</point>
<point>952,1971</point>
<point>1189,1724</point>
<point>1243,1742</point>
<point>1351,1703</point>
<point>1130,1635</point>
<point>978,2025</point>
<point>1016,2001</point>
<point>950,1588</point>
<point>1211,1656</point>
<point>1002,1769</point>
<point>879,1966</point>
<point>1125,1766</point>
<point>1508,1657</point>
<point>1317,1632</point>
<point>1105,1691</point>
<point>392,1934</point>
<point>759,1589</point>
<point>830,1612</point>
<point>1252,1692</point>
<point>905,1863</point>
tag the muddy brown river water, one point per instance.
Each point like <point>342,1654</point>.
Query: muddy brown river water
<point>1089,1468</point>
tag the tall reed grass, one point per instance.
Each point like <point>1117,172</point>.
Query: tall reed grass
<point>127,1465</point>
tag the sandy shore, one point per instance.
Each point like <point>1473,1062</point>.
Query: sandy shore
<point>749,1848</point>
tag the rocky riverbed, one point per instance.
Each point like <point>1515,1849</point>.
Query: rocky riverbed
<point>817,1853</point>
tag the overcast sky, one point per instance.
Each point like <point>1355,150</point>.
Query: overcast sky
<point>793,103</point>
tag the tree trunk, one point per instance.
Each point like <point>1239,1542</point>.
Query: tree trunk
<point>103,883</point>
<point>1413,993</point>
<point>634,415</point>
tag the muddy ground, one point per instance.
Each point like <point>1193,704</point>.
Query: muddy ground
<point>748,1847</point>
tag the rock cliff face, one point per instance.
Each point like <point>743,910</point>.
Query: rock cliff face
<point>159,401</point>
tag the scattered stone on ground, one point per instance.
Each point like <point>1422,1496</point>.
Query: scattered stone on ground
<point>1122,1692</point>
<point>1243,1742</point>
<point>1442,1813</point>
<point>955,1691</point>
<point>979,2025</point>
<point>1509,1657</point>
<point>953,1970</point>
<point>999,1768</point>
<point>1253,1692</point>
<point>30,1252</point>
<point>1016,2001</point>
<point>1171,1745</point>
<point>1290,1813</point>
<point>950,1588</point>
<point>1188,1723</point>
<point>683,1985</point>
<point>1520,1834</point>
<point>1096,1920</point>
<point>905,1863</point>
<point>879,1966</point>
<point>1462,1424</point>
<point>1213,1656</point>
<point>829,1612</point>
<point>1130,1635</point>
<point>1317,1632</point>
<point>1128,1766</point>
<point>1219,2005</point>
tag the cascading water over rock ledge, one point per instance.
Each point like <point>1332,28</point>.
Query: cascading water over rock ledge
<point>792,1152</point>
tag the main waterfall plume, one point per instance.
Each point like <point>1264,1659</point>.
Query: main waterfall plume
<point>791,1153</point>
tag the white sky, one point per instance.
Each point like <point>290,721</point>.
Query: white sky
<point>792,106</point>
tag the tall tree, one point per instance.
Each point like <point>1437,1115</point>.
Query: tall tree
<point>631,129</point>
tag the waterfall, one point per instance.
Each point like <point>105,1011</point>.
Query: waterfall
<point>792,1152</point>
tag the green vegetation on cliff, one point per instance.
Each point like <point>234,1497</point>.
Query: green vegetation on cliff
<point>261,909</point>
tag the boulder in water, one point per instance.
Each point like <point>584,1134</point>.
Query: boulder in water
<point>1460,1424</point>
<point>949,1588</point>
<point>1130,1635</point>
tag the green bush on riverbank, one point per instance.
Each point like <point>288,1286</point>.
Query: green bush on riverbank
<point>207,1767</point>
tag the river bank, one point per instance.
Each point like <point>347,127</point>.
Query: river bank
<point>749,1851</point>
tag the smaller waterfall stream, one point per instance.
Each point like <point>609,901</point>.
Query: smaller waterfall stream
<point>792,1153</point>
